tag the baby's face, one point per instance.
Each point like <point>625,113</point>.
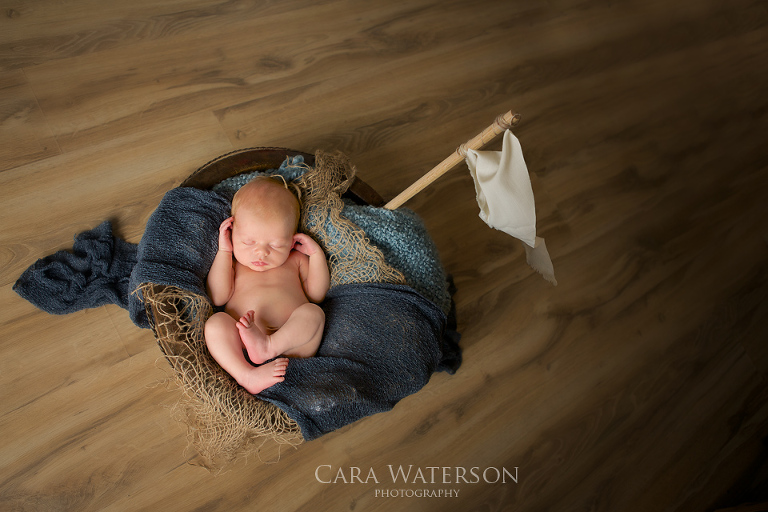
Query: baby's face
<point>261,242</point>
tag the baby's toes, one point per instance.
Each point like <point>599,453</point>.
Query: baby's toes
<point>281,366</point>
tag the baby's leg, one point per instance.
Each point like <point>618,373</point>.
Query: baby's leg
<point>299,337</point>
<point>223,340</point>
<point>302,333</point>
<point>257,343</point>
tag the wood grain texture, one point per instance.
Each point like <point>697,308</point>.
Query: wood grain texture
<point>637,384</point>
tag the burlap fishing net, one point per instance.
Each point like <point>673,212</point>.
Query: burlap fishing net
<point>351,258</point>
<point>223,420</point>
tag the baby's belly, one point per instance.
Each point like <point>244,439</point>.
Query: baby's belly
<point>271,307</point>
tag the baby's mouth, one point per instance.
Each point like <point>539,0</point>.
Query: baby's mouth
<point>258,263</point>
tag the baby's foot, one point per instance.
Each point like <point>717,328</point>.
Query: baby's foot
<point>258,344</point>
<point>264,376</point>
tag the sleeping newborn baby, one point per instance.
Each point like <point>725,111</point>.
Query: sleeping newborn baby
<point>270,279</point>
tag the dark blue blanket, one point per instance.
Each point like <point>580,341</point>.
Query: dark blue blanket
<point>381,342</point>
<point>179,244</point>
<point>96,272</point>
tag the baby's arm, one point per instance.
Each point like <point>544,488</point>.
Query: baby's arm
<point>314,274</point>
<point>221,277</point>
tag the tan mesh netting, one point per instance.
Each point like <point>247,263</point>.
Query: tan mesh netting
<point>351,258</point>
<point>224,421</point>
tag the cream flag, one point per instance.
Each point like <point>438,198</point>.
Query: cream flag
<point>505,197</point>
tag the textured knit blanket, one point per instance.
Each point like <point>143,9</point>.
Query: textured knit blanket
<point>381,342</point>
<point>96,272</point>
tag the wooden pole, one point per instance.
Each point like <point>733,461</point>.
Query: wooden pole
<point>502,123</point>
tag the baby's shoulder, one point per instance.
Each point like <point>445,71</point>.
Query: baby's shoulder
<point>297,259</point>
<point>297,256</point>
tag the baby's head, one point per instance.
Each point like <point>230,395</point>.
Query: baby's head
<point>269,194</point>
<point>266,216</point>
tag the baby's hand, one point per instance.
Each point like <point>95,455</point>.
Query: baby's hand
<point>305,244</point>
<point>225,235</point>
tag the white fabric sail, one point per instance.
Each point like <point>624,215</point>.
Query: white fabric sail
<point>505,198</point>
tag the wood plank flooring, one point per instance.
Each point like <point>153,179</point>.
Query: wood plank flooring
<point>637,384</point>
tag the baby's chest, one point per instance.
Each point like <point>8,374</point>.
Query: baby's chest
<point>271,293</point>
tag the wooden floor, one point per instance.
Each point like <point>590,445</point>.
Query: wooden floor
<point>637,384</point>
